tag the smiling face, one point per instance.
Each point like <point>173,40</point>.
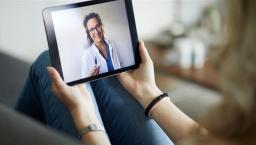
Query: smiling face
<point>95,30</point>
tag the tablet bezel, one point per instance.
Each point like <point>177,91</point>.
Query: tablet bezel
<point>53,47</point>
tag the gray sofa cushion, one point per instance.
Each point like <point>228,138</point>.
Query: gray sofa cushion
<point>12,75</point>
<point>16,129</point>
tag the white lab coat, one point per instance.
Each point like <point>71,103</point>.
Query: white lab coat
<point>92,53</point>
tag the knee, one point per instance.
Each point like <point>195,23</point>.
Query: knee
<point>41,63</point>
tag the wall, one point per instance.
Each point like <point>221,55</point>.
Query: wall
<point>22,32</point>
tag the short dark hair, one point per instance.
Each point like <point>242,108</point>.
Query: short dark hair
<point>86,19</point>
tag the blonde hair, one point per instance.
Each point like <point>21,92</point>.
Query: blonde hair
<point>234,119</point>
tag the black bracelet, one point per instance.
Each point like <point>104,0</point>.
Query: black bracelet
<point>154,102</point>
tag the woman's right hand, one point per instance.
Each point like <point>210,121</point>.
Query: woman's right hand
<point>141,82</point>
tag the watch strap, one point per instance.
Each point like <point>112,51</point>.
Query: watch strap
<point>90,128</point>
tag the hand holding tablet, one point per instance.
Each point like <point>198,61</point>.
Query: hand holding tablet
<point>92,40</point>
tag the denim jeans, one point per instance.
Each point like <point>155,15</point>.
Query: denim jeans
<point>119,112</point>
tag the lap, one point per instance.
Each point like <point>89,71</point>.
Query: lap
<point>123,117</point>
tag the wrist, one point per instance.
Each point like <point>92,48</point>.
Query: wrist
<point>154,104</point>
<point>148,95</point>
<point>83,117</point>
<point>156,107</point>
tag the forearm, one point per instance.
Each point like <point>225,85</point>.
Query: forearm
<point>83,119</point>
<point>176,124</point>
<point>172,120</point>
<point>81,106</point>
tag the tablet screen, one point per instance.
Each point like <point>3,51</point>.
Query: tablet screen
<point>93,40</point>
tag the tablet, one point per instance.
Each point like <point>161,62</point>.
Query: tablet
<point>91,40</point>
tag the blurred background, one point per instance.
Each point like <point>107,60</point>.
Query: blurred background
<point>180,36</point>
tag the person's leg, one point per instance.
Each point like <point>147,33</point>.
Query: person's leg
<point>38,101</point>
<point>124,118</point>
<point>28,102</point>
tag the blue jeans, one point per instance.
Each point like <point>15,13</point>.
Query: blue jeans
<point>122,116</point>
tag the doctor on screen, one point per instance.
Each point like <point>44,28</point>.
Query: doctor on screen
<point>101,56</point>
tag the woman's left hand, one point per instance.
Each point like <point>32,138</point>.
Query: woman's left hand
<point>141,82</point>
<point>76,98</point>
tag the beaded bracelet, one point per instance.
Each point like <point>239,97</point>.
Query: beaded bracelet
<point>154,102</point>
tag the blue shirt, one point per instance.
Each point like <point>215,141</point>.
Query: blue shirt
<point>108,60</point>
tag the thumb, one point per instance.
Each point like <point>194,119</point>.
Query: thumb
<point>143,52</point>
<point>56,79</point>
